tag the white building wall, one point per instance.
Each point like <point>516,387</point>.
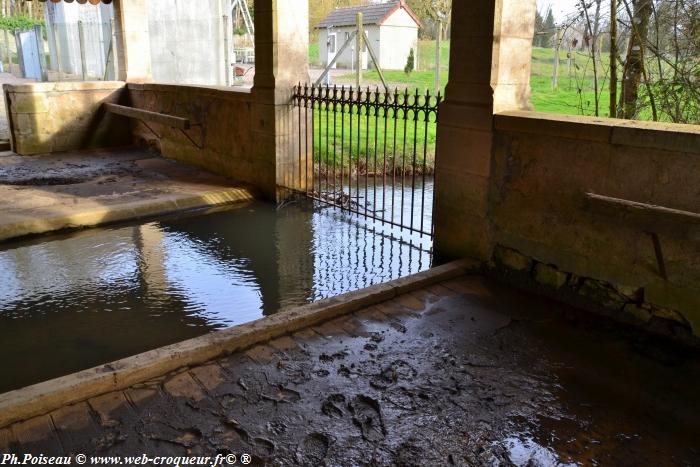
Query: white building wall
<point>347,59</point>
<point>391,42</point>
<point>62,27</point>
<point>187,41</point>
<point>398,35</point>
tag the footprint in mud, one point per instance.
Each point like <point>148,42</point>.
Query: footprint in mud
<point>187,438</point>
<point>367,416</point>
<point>325,358</point>
<point>282,395</point>
<point>276,427</point>
<point>397,370</point>
<point>264,445</point>
<point>333,406</point>
<point>313,449</point>
<point>408,452</point>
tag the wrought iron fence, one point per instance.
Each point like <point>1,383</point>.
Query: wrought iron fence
<point>369,152</point>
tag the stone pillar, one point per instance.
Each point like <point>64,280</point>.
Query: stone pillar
<point>489,72</point>
<point>514,29</point>
<point>281,62</point>
<point>133,45</point>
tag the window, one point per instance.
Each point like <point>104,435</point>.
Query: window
<point>331,43</point>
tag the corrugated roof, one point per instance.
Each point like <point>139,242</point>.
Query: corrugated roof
<point>372,14</point>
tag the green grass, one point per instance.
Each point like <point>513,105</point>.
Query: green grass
<point>574,95</point>
<point>314,55</point>
<point>421,80</point>
<point>426,55</point>
<point>357,155</point>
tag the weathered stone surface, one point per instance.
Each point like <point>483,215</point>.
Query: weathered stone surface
<point>222,137</point>
<point>90,188</point>
<point>544,165</point>
<point>603,294</point>
<point>550,276</point>
<point>686,300</point>
<point>666,313</point>
<point>635,294</point>
<point>512,259</point>
<point>55,118</point>
<point>640,312</point>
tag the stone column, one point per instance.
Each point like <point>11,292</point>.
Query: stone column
<point>490,53</point>
<point>133,47</point>
<point>281,62</point>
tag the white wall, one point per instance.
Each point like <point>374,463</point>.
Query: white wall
<point>391,42</point>
<point>346,59</point>
<point>187,45</point>
<point>398,35</point>
<point>64,39</point>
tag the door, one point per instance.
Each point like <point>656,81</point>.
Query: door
<point>30,60</point>
<point>332,47</point>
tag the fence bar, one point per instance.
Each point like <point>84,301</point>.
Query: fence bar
<point>81,42</point>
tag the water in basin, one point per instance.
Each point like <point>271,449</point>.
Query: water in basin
<point>73,301</point>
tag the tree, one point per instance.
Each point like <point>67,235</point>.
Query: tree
<point>319,9</point>
<point>549,29</point>
<point>634,65</point>
<point>538,39</point>
<point>433,11</point>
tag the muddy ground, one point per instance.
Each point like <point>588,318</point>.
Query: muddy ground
<point>468,372</point>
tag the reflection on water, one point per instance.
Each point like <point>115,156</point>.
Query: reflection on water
<point>75,301</point>
<point>402,202</point>
<point>524,451</point>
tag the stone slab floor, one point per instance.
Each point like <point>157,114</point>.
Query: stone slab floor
<point>466,372</point>
<point>99,182</point>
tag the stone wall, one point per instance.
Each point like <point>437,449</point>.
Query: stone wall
<point>51,117</point>
<point>220,139</point>
<point>542,167</point>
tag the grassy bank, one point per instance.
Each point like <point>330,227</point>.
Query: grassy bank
<point>574,95</point>
<point>378,147</point>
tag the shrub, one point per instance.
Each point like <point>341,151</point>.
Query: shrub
<point>22,23</point>
<point>410,63</point>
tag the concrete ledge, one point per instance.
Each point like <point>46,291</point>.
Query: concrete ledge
<point>220,92</point>
<point>63,86</point>
<point>654,135</point>
<point>126,211</point>
<point>50,395</point>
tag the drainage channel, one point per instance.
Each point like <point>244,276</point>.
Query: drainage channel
<point>72,301</point>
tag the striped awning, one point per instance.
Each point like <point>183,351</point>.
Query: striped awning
<point>94,2</point>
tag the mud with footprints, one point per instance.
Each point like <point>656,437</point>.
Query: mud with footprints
<point>462,373</point>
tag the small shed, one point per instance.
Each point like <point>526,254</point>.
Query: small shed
<point>392,30</point>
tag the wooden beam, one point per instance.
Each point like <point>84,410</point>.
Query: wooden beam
<point>147,115</point>
<point>647,217</point>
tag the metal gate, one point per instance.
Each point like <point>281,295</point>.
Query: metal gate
<point>370,153</point>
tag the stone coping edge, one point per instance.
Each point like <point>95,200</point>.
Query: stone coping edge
<point>47,396</point>
<point>674,137</point>
<point>63,86</point>
<point>124,212</point>
<point>222,92</point>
